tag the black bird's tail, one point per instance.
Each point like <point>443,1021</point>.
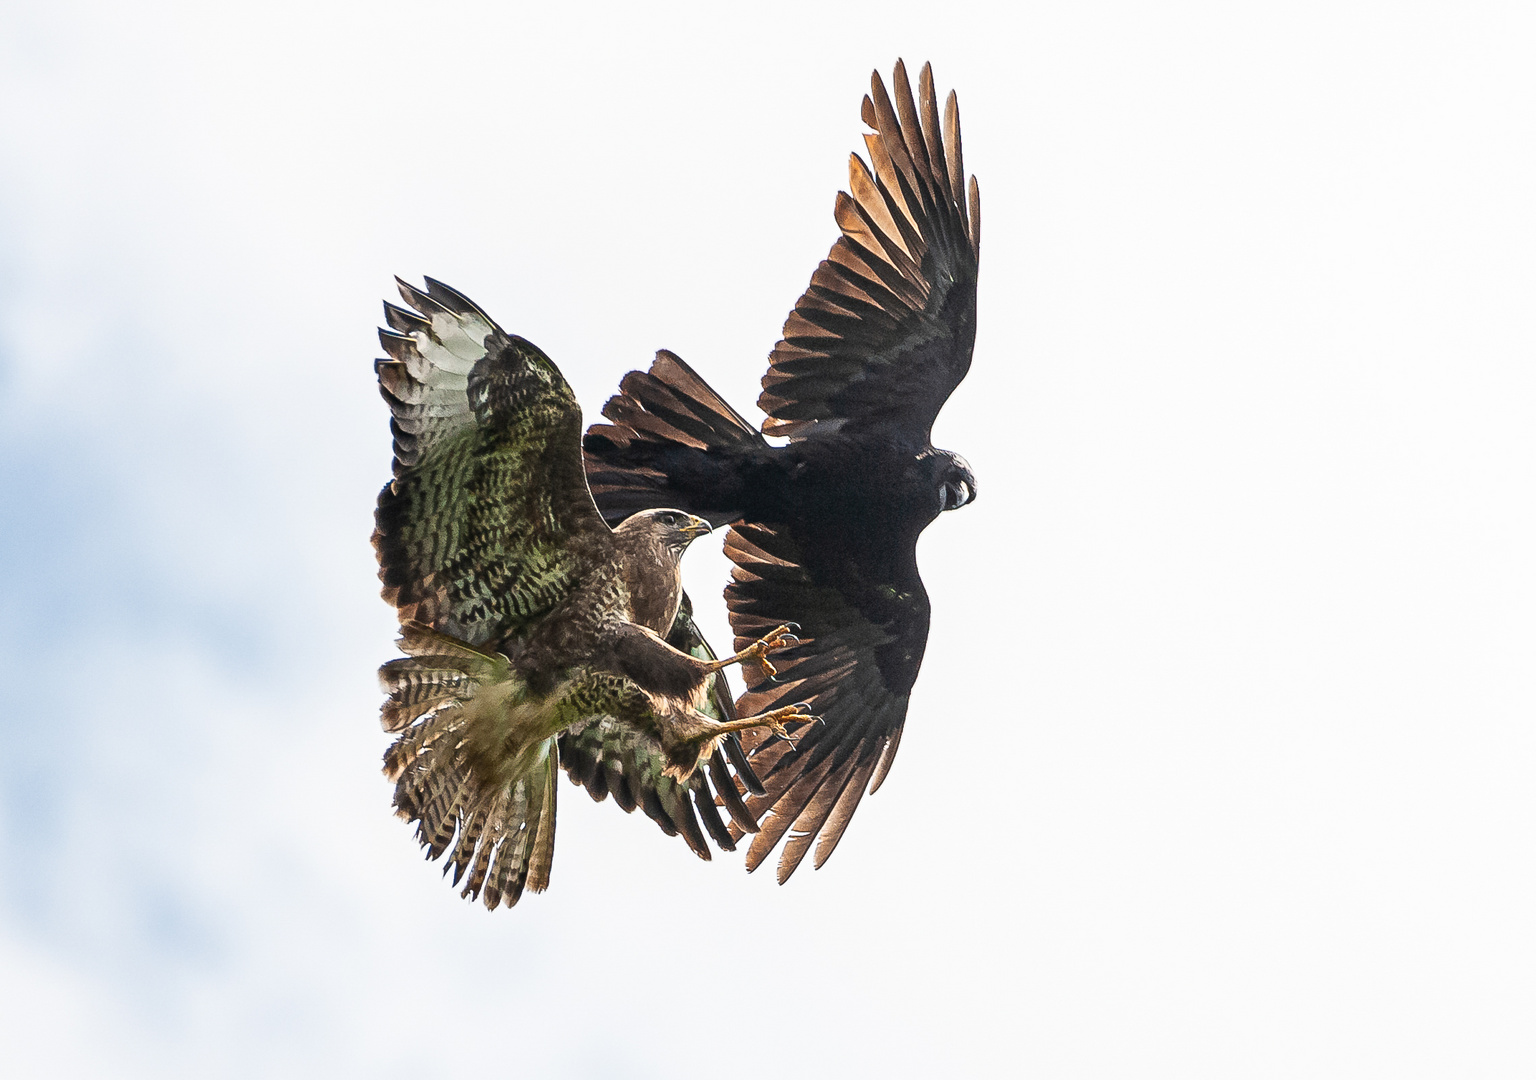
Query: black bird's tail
<point>673,442</point>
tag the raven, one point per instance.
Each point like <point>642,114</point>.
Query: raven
<point>825,527</point>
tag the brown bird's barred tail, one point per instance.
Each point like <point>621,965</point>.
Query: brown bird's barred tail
<point>496,826</point>
<point>673,442</point>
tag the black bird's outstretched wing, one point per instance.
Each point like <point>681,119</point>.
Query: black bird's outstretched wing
<point>878,341</point>
<point>488,519</point>
<point>828,526</point>
<point>885,330</point>
<point>861,642</point>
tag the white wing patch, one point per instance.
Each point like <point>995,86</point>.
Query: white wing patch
<point>432,351</point>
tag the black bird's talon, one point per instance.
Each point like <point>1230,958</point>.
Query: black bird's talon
<point>788,640</point>
<point>792,627</point>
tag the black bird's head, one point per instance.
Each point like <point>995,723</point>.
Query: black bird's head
<point>955,482</point>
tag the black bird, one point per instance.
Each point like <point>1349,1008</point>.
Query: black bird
<point>826,526</point>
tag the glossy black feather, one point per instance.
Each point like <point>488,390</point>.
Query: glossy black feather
<point>826,527</point>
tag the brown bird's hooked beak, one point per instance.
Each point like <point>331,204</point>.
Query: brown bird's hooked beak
<point>696,527</point>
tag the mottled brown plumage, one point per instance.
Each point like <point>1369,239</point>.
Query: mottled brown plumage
<point>650,546</point>
<point>528,624</point>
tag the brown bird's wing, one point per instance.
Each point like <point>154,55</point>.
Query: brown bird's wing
<point>483,529</point>
<point>884,333</point>
<point>608,756</point>
<point>861,641</point>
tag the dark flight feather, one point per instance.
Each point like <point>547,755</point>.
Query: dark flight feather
<point>825,528</point>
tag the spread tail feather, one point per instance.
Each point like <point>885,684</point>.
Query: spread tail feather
<point>673,442</point>
<point>493,814</point>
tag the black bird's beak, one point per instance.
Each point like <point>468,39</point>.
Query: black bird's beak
<point>696,527</point>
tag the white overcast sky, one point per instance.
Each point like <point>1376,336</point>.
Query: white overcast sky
<point>1221,762</point>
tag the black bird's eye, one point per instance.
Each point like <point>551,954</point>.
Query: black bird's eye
<point>954,494</point>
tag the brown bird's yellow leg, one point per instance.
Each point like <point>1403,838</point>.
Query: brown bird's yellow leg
<point>779,638</point>
<point>692,736</point>
<point>773,720</point>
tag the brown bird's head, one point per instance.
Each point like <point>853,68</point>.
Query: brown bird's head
<point>672,530</point>
<point>651,545</point>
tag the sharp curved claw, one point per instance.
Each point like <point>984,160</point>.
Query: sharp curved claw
<point>792,627</point>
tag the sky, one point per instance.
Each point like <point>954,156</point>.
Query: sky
<point>1220,763</point>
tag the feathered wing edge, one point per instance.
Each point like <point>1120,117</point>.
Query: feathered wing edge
<point>811,790</point>
<point>911,235</point>
<point>431,351</point>
<point>498,835</point>
<point>475,535</point>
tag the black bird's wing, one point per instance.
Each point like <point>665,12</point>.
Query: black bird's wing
<point>884,332</point>
<point>861,642</point>
<point>873,349</point>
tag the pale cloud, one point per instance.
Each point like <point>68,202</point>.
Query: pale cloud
<point>1220,759</point>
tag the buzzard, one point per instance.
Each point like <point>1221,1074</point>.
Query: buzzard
<point>531,629</point>
<point>826,526</point>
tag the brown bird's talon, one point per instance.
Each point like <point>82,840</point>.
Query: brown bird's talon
<point>779,638</point>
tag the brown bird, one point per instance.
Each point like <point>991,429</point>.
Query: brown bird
<point>529,625</point>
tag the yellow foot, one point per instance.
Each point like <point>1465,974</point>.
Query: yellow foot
<point>774,719</point>
<point>689,743</point>
<point>780,637</point>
